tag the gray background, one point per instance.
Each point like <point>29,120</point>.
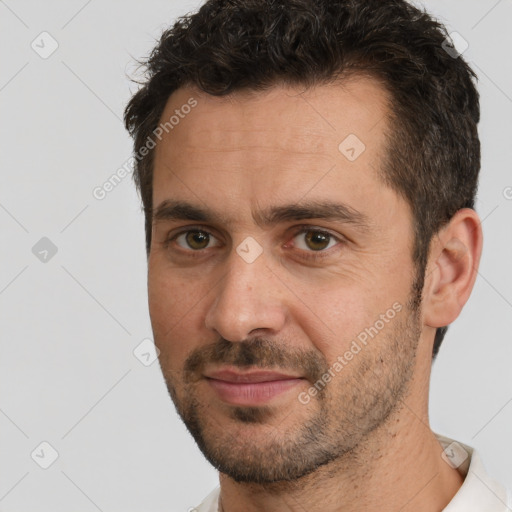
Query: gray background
<point>69,324</point>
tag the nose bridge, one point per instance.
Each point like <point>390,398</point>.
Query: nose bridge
<point>247,298</point>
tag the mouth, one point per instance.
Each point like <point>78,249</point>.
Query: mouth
<point>250,388</point>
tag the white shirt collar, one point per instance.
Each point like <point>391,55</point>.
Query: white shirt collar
<point>479,492</point>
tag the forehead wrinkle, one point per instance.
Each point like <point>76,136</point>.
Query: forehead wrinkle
<point>268,140</point>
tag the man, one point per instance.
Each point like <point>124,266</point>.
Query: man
<point>308,170</point>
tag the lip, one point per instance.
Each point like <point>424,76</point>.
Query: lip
<point>250,388</point>
<point>249,376</point>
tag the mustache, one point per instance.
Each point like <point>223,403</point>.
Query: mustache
<point>261,353</point>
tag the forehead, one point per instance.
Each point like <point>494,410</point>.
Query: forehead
<point>303,120</point>
<point>327,141</point>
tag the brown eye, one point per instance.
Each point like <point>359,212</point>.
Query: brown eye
<point>317,241</point>
<point>314,240</point>
<point>194,239</point>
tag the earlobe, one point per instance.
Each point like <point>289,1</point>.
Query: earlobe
<point>452,268</point>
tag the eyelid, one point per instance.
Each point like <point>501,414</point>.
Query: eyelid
<point>171,237</point>
<point>317,229</point>
<point>321,255</point>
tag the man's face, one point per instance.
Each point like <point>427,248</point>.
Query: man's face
<point>280,275</point>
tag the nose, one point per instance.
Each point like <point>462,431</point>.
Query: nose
<point>249,301</point>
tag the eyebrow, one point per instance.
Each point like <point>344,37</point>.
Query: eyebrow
<point>169,210</point>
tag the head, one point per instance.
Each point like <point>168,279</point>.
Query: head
<point>349,121</point>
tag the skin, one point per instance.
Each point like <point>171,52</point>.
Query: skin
<point>248,152</point>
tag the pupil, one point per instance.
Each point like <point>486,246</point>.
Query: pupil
<point>317,241</point>
<point>197,239</point>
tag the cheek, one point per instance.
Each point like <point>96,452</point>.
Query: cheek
<point>175,312</point>
<point>333,321</point>
<point>338,314</point>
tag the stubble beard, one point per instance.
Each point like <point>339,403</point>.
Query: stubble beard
<point>357,401</point>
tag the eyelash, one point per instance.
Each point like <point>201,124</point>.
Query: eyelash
<point>312,255</point>
<point>317,255</point>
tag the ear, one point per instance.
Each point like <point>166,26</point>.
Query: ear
<point>452,268</point>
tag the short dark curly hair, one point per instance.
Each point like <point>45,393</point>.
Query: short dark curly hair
<point>433,154</point>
